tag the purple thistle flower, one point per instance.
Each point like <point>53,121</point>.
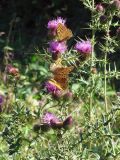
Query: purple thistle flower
<point>60,20</point>
<point>51,88</point>
<point>84,47</point>
<point>1,102</point>
<point>56,47</point>
<point>49,117</point>
<point>53,23</point>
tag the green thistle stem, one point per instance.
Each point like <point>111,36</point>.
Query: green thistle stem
<point>105,80</point>
<point>105,83</point>
<point>92,57</point>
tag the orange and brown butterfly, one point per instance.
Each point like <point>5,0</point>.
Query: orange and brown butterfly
<point>63,33</point>
<point>61,76</point>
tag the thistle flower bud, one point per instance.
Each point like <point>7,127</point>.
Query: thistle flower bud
<point>118,32</point>
<point>116,4</point>
<point>12,70</point>
<point>118,94</point>
<point>68,122</point>
<point>68,95</point>
<point>103,19</point>
<point>94,70</point>
<point>57,94</point>
<point>99,8</point>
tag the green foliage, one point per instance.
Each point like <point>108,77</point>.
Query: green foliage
<point>94,107</point>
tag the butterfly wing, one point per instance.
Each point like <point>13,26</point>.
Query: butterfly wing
<point>62,81</point>
<point>63,70</point>
<point>63,33</point>
<point>61,76</point>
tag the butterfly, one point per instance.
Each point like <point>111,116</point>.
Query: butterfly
<point>61,76</point>
<point>63,33</point>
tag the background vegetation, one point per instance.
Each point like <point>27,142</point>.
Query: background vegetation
<point>95,133</point>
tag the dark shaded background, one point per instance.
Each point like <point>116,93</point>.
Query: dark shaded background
<point>29,19</point>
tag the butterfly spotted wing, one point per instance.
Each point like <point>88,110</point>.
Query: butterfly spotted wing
<point>63,71</point>
<point>63,33</point>
<point>62,81</point>
<point>61,76</point>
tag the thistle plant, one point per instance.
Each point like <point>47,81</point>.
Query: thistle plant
<point>62,105</point>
